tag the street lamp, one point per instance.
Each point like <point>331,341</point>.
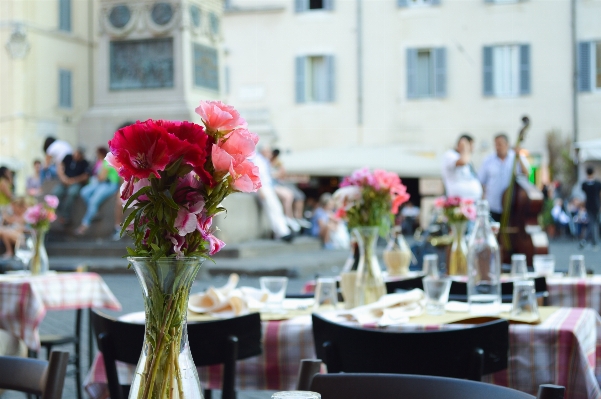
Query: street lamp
<point>17,45</point>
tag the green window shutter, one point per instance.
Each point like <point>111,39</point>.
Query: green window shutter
<point>402,3</point>
<point>487,71</point>
<point>328,5</point>
<point>64,89</point>
<point>435,2</point>
<point>331,78</point>
<point>301,63</point>
<point>412,73</point>
<point>584,66</point>
<point>524,69</point>
<point>440,72</point>
<point>300,5</point>
<point>64,15</point>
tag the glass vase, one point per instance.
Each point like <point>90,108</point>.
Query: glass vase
<point>39,263</point>
<point>369,284</point>
<point>397,255</point>
<point>166,369</point>
<point>457,264</point>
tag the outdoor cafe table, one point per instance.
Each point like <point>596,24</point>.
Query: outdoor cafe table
<point>564,349</point>
<point>24,300</point>
<point>575,292</point>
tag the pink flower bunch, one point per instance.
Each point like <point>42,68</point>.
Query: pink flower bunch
<point>40,215</point>
<point>177,173</point>
<point>456,209</point>
<point>368,198</point>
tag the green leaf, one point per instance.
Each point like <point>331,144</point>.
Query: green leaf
<point>135,196</point>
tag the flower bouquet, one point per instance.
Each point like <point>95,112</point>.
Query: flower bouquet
<point>458,211</point>
<point>39,217</point>
<point>176,174</point>
<point>368,202</point>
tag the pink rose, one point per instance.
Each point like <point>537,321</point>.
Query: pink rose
<point>51,201</point>
<point>385,180</point>
<point>219,117</point>
<point>439,202</point>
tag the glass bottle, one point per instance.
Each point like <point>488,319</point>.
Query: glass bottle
<point>484,266</point>
<point>397,255</point>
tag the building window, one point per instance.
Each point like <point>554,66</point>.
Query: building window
<point>65,89</point>
<point>426,73</point>
<point>502,1</point>
<point>141,64</point>
<point>315,79</point>
<point>506,70</point>
<point>64,15</point>
<point>417,3</point>
<point>309,5</point>
<point>589,66</point>
<point>214,21</point>
<point>206,67</point>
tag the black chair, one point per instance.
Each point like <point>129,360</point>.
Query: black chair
<point>360,386</point>
<point>404,285</point>
<point>211,342</point>
<point>38,377</point>
<point>49,341</point>
<point>458,291</point>
<point>469,352</point>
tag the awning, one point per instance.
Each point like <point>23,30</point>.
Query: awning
<point>341,161</point>
<point>589,150</point>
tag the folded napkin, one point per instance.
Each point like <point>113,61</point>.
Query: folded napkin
<point>227,300</point>
<point>391,309</point>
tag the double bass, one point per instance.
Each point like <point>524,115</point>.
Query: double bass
<point>522,202</point>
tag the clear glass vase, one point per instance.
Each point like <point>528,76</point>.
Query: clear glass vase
<point>369,285</point>
<point>39,263</point>
<point>166,369</point>
<point>457,264</point>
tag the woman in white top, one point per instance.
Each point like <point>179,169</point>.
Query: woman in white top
<point>458,174</point>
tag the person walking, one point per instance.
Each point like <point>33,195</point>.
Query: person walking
<point>592,189</point>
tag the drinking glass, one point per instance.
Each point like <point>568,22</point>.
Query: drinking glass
<point>577,268</point>
<point>296,395</point>
<point>544,265</point>
<point>519,268</point>
<point>326,293</point>
<point>24,248</point>
<point>430,267</point>
<point>275,288</point>
<point>437,293</point>
<point>524,299</point>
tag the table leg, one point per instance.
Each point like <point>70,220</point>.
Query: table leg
<point>90,339</point>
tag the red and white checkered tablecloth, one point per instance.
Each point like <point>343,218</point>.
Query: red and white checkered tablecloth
<point>563,350</point>
<point>24,300</point>
<point>574,292</point>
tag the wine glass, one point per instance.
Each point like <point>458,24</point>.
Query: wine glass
<point>24,248</point>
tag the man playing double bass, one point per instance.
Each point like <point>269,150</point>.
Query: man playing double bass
<point>495,173</point>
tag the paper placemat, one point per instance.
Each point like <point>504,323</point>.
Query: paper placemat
<point>466,318</point>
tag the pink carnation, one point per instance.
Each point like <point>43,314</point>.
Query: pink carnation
<point>219,117</point>
<point>51,201</point>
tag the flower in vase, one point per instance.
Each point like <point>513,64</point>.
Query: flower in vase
<point>40,215</point>
<point>456,209</point>
<point>176,175</point>
<point>368,198</point>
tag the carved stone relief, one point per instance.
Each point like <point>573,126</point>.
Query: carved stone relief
<point>141,64</point>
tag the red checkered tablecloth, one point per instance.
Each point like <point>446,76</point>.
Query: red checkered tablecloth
<point>24,300</point>
<point>562,350</point>
<point>573,292</point>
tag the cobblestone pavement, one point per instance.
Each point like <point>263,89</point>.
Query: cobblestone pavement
<point>126,289</point>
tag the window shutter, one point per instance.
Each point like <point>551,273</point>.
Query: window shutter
<point>411,73</point>
<point>331,78</point>
<point>435,2</point>
<point>300,79</point>
<point>328,4</point>
<point>584,66</point>
<point>440,72</point>
<point>489,1</point>
<point>300,5</point>
<point>524,69</point>
<point>64,13</point>
<point>487,69</point>
<point>402,3</point>
<point>64,89</point>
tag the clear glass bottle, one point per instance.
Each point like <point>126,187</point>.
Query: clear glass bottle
<point>484,266</point>
<point>397,255</point>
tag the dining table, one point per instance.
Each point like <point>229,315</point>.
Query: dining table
<point>25,299</point>
<point>564,349</point>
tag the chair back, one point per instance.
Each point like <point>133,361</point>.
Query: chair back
<point>407,284</point>
<point>34,376</point>
<point>459,353</point>
<point>211,342</point>
<point>458,291</point>
<point>360,386</point>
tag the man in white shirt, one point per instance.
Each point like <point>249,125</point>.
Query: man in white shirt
<point>56,151</point>
<point>495,173</point>
<point>458,174</point>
